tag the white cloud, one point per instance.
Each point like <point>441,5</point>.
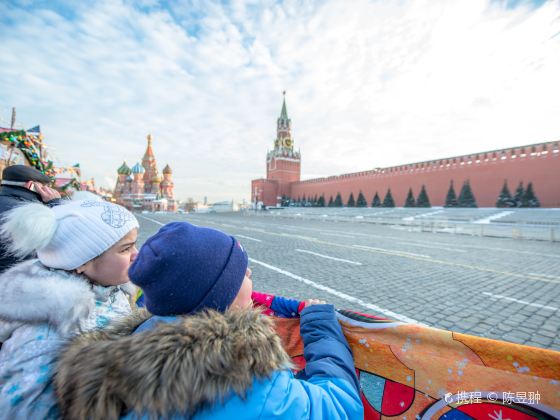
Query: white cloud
<point>369,83</point>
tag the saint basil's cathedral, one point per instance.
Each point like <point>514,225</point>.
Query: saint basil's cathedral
<point>535,167</point>
<point>143,188</point>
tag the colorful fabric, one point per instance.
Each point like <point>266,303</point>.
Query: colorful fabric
<point>418,372</point>
<point>277,305</point>
<point>139,299</point>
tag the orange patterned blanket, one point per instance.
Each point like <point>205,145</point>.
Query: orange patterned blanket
<point>418,372</point>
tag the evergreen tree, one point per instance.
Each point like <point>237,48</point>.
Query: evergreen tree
<point>466,196</point>
<point>505,199</point>
<point>376,202</point>
<point>331,202</point>
<point>388,200</point>
<point>351,201</point>
<point>303,201</point>
<point>321,201</point>
<point>451,199</point>
<point>410,202</point>
<point>337,201</point>
<point>361,201</point>
<point>519,193</point>
<point>423,199</point>
<point>529,198</point>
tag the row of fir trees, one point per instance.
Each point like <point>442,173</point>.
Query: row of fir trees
<point>524,197</point>
<point>388,201</point>
<point>466,197</point>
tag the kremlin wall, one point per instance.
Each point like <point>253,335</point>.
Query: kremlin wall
<point>486,172</point>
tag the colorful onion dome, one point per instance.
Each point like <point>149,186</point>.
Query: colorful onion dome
<point>167,170</point>
<point>157,178</point>
<point>138,169</point>
<point>124,169</point>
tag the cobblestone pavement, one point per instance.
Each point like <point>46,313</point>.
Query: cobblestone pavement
<point>498,288</point>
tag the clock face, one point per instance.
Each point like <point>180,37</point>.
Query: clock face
<point>288,143</point>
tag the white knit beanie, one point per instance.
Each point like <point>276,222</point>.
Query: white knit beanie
<point>69,235</point>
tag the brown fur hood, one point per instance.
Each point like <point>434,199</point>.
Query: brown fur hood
<point>173,368</point>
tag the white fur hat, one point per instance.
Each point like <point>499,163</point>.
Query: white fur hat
<point>68,235</point>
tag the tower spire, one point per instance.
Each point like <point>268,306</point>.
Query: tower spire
<point>284,112</point>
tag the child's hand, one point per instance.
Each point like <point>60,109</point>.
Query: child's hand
<point>311,302</point>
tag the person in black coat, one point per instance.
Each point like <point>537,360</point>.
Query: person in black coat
<point>20,185</point>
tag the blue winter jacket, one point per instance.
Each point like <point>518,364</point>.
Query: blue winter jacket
<point>240,370</point>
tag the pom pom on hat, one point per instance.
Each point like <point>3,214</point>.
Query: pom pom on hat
<point>69,235</point>
<point>28,227</point>
<point>184,269</point>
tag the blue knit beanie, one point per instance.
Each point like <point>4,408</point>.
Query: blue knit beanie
<point>184,268</point>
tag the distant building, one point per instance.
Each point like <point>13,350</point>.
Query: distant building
<point>485,173</point>
<point>224,206</point>
<point>143,188</point>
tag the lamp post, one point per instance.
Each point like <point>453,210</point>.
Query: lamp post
<point>257,195</point>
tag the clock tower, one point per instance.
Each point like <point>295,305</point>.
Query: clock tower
<point>283,163</point>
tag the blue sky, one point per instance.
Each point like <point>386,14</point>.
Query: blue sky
<point>369,83</point>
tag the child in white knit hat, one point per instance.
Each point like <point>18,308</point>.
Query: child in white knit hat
<point>78,282</point>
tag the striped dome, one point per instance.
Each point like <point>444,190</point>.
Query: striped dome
<point>124,169</point>
<point>138,169</point>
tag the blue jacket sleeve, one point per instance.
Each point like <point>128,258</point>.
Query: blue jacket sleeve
<point>284,307</point>
<point>326,351</point>
<point>327,387</point>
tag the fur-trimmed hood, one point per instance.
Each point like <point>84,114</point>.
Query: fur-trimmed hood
<point>175,368</point>
<point>31,293</point>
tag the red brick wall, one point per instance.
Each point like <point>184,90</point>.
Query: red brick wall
<point>264,190</point>
<point>284,170</point>
<point>540,165</point>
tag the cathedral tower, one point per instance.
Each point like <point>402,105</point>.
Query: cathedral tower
<point>137,188</point>
<point>150,167</point>
<point>167,187</point>
<point>123,174</point>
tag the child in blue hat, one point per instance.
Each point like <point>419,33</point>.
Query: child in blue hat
<point>203,352</point>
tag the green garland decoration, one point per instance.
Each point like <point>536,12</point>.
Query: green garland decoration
<point>31,149</point>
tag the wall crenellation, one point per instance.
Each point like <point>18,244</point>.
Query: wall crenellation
<point>549,149</point>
